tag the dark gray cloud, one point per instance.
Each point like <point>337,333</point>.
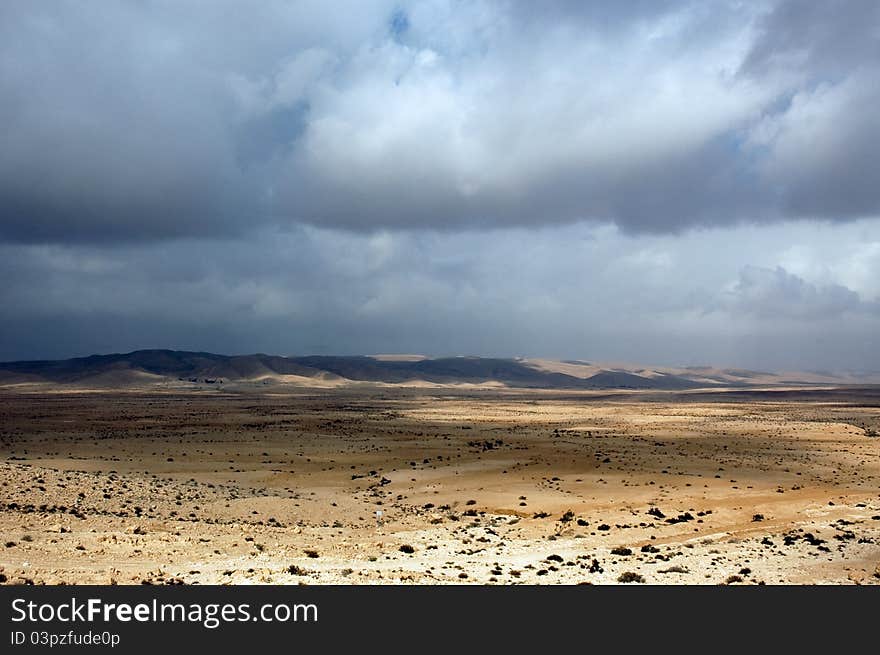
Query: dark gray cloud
<point>816,39</point>
<point>714,296</point>
<point>122,122</point>
<point>777,293</point>
<point>150,120</point>
<point>819,151</point>
<point>820,154</point>
<point>665,182</point>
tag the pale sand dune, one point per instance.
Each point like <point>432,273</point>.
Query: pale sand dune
<point>711,376</point>
<point>582,371</point>
<point>323,381</point>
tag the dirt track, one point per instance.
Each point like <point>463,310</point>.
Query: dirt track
<point>482,486</point>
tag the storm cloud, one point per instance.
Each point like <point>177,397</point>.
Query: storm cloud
<point>578,292</point>
<point>137,121</point>
<point>664,182</point>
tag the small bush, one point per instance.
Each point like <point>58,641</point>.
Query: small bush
<point>675,569</point>
<point>630,576</point>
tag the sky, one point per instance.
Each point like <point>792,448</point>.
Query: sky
<point>666,183</point>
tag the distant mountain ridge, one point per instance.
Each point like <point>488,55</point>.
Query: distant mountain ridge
<point>155,366</point>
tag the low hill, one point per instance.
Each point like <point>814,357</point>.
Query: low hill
<point>150,367</point>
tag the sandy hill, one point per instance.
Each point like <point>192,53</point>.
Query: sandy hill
<point>145,367</point>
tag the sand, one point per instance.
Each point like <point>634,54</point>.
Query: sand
<point>487,486</point>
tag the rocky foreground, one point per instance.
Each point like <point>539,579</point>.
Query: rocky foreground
<point>466,487</point>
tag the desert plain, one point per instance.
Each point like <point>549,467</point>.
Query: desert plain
<point>407,485</point>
